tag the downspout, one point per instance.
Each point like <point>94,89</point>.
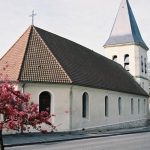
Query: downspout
<point>71,100</point>
<point>23,87</point>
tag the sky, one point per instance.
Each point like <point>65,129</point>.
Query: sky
<point>87,22</point>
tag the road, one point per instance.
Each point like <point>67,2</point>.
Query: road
<point>139,141</point>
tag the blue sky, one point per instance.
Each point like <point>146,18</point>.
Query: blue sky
<point>87,22</point>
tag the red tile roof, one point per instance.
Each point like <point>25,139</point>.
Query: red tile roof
<point>14,57</point>
<point>46,57</point>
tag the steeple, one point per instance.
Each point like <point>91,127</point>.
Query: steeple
<point>125,30</point>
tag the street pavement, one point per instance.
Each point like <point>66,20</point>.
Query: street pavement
<point>39,138</point>
<point>135,141</point>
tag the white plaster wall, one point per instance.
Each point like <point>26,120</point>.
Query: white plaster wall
<point>141,77</point>
<point>139,51</point>
<point>144,83</point>
<point>120,51</point>
<point>60,101</point>
<point>135,53</point>
<point>97,116</point>
<point>69,98</point>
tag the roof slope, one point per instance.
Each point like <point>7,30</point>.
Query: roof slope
<point>125,29</point>
<point>14,57</point>
<point>53,59</point>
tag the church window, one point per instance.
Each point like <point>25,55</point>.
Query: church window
<point>85,105</point>
<point>126,62</point>
<point>144,105</point>
<point>145,63</point>
<point>45,102</point>
<point>142,64</point>
<point>119,105</point>
<point>114,58</point>
<point>138,106</point>
<point>106,106</point>
<point>132,106</point>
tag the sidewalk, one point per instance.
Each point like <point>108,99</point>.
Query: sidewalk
<point>37,138</point>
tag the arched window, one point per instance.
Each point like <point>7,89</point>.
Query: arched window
<point>106,106</point>
<point>138,106</point>
<point>85,105</point>
<point>132,106</point>
<point>119,106</point>
<point>145,106</point>
<point>114,58</point>
<point>45,102</point>
<point>145,63</point>
<point>142,69</point>
<point>126,62</point>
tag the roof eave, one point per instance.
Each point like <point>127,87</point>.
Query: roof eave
<point>124,44</point>
<point>90,86</point>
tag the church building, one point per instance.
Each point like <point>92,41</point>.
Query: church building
<point>81,87</point>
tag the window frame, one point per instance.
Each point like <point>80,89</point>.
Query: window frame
<point>85,105</point>
<point>126,62</point>
<point>132,106</point>
<point>106,106</point>
<point>45,106</point>
<point>119,106</point>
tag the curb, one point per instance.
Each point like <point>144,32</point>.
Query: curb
<point>77,138</point>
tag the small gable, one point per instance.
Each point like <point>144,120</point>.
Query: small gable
<point>40,65</point>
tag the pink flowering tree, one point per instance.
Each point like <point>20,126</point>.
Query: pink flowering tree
<point>18,113</point>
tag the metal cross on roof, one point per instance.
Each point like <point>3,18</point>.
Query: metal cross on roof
<point>32,15</point>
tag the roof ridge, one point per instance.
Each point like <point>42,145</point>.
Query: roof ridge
<point>31,29</point>
<point>64,38</point>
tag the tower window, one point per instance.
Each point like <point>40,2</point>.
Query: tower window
<point>142,64</point>
<point>85,105</point>
<point>126,62</point>
<point>114,58</point>
<point>106,106</point>
<point>145,63</point>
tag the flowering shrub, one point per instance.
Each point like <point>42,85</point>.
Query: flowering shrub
<point>18,112</point>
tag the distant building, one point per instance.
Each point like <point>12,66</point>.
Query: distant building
<point>82,88</point>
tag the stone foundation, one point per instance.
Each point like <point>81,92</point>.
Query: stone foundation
<point>124,125</point>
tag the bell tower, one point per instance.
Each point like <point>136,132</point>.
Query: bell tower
<point>126,46</point>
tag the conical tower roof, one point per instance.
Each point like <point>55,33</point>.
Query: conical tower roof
<point>125,29</point>
<point>43,57</point>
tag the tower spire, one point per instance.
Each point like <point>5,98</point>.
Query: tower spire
<point>125,29</point>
